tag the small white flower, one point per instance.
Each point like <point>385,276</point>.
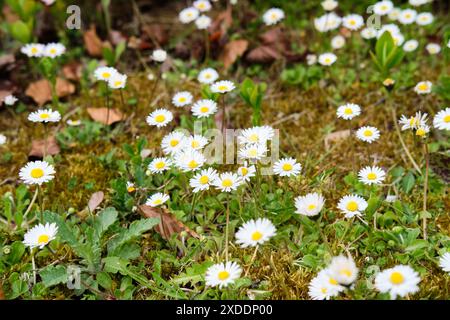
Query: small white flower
<point>73,123</point>
<point>159,55</point>
<point>10,100</point>
<point>222,86</point>
<point>371,175</point>
<point>222,274</point>
<point>130,187</point>
<point>391,198</point>
<point>46,115</point>
<point>382,8</point>
<point>255,232</point>
<point>246,172</point>
<point>310,204</point>
<point>394,14</point>
<point>287,167</point>
<point>433,48</point>
<point>2,139</point>
<point>159,118</point>
<point>33,50</point>
<point>444,262</point>
<point>337,42</point>
<point>348,111</point>
<point>273,16</point>
<point>157,199</point>
<point>196,142</point>
<point>173,142</point>
<point>343,269</point>
<point>311,59</point>
<point>40,235</point>
<point>189,160</point>
<point>327,22</point>
<point>203,22</point>
<point>53,50</point>
<point>424,18</point>
<point>410,45</point>
<point>398,39</point>
<point>368,134</point>
<point>203,180</point>
<point>352,205</point>
<point>204,108</point>
<point>188,15</point>
<point>400,280</point>
<point>37,172</point>
<point>202,5</point>
<point>207,76</point>
<point>253,152</point>
<point>368,33</point>
<point>227,181</point>
<point>441,120</point>
<point>323,286</point>
<point>181,99</point>
<point>423,87</point>
<point>407,16</point>
<point>159,165</point>
<point>423,130</point>
<point>353,21</point>
<point>329,5</point>
<point>392,28</point>
<point>105,73</point>
<point>256,135</point>
<point>117,81</point>
<point>327,59</point>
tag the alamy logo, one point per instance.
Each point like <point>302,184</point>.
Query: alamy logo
<point>74,20</point>
<point>374,20</point>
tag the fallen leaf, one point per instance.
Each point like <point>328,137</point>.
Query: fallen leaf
<point>101,115</point>
<point>263,54</point>
<point>41,92</point>
<point>336,136</point>
<point>168,224</point>
<point>6,60</point>
<point>72,71</point>
<point>156,32</point>
<point>275,35</point>
<point>220,24</point>
<point>38,146</point>
<point>95,200</point>
<point>92,42</point>
<point>232,51</point>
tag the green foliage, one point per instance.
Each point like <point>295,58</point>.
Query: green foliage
<point>442,88</point>
<point>387,54</point>
<point>303,76</point>
<point>253,93</point>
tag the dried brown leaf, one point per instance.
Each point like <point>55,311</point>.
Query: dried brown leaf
<point>101,115</point>
<point>232,51</point>
<point>156,32</point>
<point>168,224</point>
<point>6,59</point>
<point>72,71</point>
<point>41,91</point>
<point>92,42</point>
<point>335,137</point>
<point>95,200</point>
<point>263,54</point>
<point>38,147</point>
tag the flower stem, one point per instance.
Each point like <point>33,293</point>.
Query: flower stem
<point>223,116</point>
<point>45,141</point>
<point>227,227</point>
<point>33,200</point>
<point>425,190</point>
<point>107,103</point>
<point>33,264</point>
<point>252,260</point>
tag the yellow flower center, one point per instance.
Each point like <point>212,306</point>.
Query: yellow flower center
<point>37,173</point>
<point>368,133</point>
<point>131,189</point>
<point>201,5</point>
<point>157,201</point>
<point>421,132</point>
<point>311,206</point>
<point>34,50</point>
<point>227,183</point>
<point>44,116</point>
<point>324,290</point>
<point>253,137</point>
<point>327,60</point>
<point>413,121</point>
<point>117,83</point>
<point>346,272</point>
<point>208,76</point>
<point>352,206</point>
<point>333,282</point>
<point>287,167</point>
<point>348,111</point>
<point>223,275</point>
<point>43,238</point>
<point>195,144</point>
<point>352,22</point>
<point>223,88</point>
<point>182,99</point>
<point>192,164</point>
<point>204,179</point>
<point>160,118</point>
<point>447,118</point>
<point>253,153</point>
<point>274,16</point>
<point>52,51</point>
<point>160,165</point>
<point>256,236</point>
<point>204,109</point>
<point>423,87</point>
<point>244,171</point>
<point>174,143</point>
<point>408,15</point>
<point>397,278</point>
<point>372,176</point>
<point>106,75</point>
<point>383,7</point>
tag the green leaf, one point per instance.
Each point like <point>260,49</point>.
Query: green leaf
<point>135,230</point>
<point>17,251</point>
<point>104,280</point>
<point>408,182</point>
<point>53,275</point>
<point>103,221</point>
<point>116,264</point>
<point>21,32</point>
<point>119,50</point>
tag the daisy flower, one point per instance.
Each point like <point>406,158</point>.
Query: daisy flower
<point>383,8</point>
<point>53,50</point>
<point>189,160</point>
<point>327,59</point>
<point>323,286</point>
<point>37,172</point>
<point>253,152</point>
<point>423,130</point>
<point>46,115</point>
<point>203,22</point>
<point>310,204</point>
<point>417,3</point>
<point>398,39</point>
<point>353,22</point>
<point>407,16</point>
<point>287,167</point>
<point>400,280</point>
<point>159,165</point>
<point>371,175</point>
<point>255,232</point>
<point>410,45</point>
<point>104,73</point>
<point>256,135</point>
<point>343,269</point>
<point>433,48</point>
<point>73,123</point>
<point>273,16</point>
<point>227,182</point>
<point>327,22</point>
<point>246,172</point>
<point>348,111</point>
<point>159,118</point>
<point>196,142</point>
<point>441,120</point>
<point>414,122</point>
<point>352,205</point>
<point>117,81</point>
<point>337,42</point>
<point>203,180</point>
<point>329,5</point>
<point>188,15</point>
<point>368,134</point>
<point>222,86</point>
<point>130,187</point>
<point>311,59</point>
<point>2,139</point>
<point>40,235</point>
<point>207,76</point>
<point>424,18</point>
<point>202,5</point>
<point>204,108</point>
<point>368,33</point>
<point>423,87</point>
<point>173,142</point>
<point>157,199</point>
<point>392,28</point>
<point>159,55</point>
<point>181,99</point>
<point>394,14</point>
<point>222,274</point>
<point>444,262</point>
<point>10,100</point>
<point>33,50</point>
